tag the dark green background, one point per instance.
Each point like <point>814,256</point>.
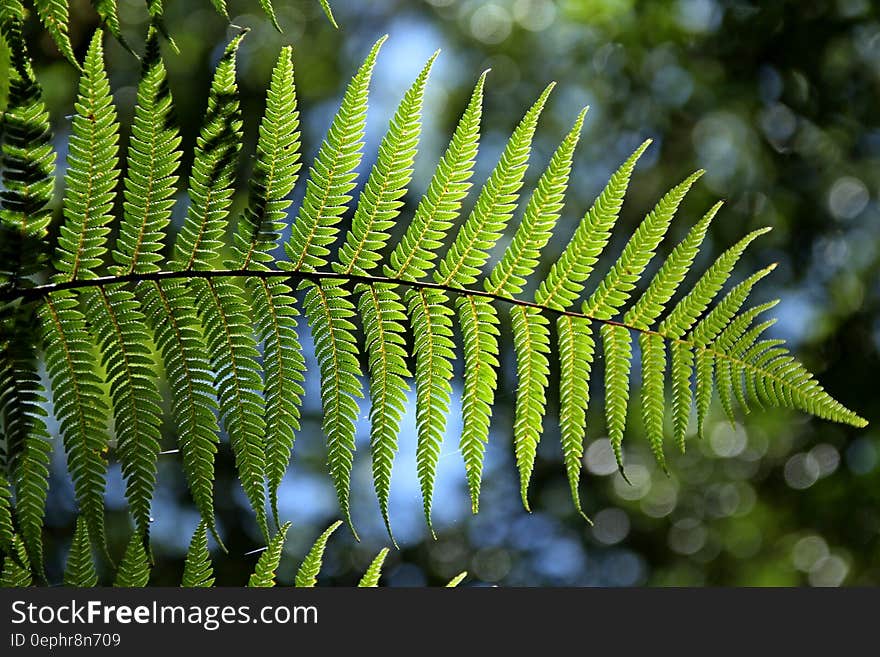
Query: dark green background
<point>777,100</point>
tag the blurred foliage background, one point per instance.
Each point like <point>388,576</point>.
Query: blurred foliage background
<point>777,100</point>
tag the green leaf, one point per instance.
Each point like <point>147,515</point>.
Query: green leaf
<point>54,17</point>
<point>566,279</point>
<point>618,284</point>
<point>494,207</point>
<point>455,581</point>
<point>80,569</point>
<point>531,340</point>
<point>264,572</point>
<point>14,574</point>
<point>576,351</point>
<point>431,320</point>
<point>374,572</point>
<point>197,569</point>
<point>416,252</point>
<point>325,5</point>
<point>618,353</point>
<point>307,575</point>
<point>134,569</point>
<point>329,313</point>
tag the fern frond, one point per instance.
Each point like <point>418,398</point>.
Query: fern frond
<point>134,569</point>
<point>92,171</point>
<point>151,176</point>
<point>78,404</point>
<point>469,252</point>
<point>374,571</point>
<point>542,212</point>
<point>431,320</point>
<point>325,5</point>
<point>80,570</point>
<point>117,321</point>
<point>618,284</point>
<point>221,305</point>
<point>382,313</point>
<point>330,312</point>
<point>681,367</point>
<point>416,252</point>
<point>673,271</point>
<point>15,574</point>
<point>197,569</point>
<point>6,528</point>
<point>478,319</point>
<point>109,13</point>
<point>307,575</point>
<point>455,581</point>
<point>264,572</point>
<point>618,354</point>
<point>379,203</point>
<point>24,437</point>
<point>653,370</point>
<point>531,341</point>
<point>689,309</point>
<point>276,170</point>
<point>576,350</point>
<point>54,17</point>
<point>27,164</point>
<point>333,175</point>
<point>566,279</point>
<point>171,316</point>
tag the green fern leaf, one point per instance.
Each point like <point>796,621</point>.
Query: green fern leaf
<point>531,340</point>
<point>618,354</point>
<point>6,528</point>
<point>681,367</point>
<point>197,569</point>
<point>275,173</point>
<point>576,350</point>
<point>566,279</point>
<point>109,14</point>
<point>455,581</point>
<point>374,572</point>
<point>618,284</point>
<point>92,171</point>
<point>54,17</point>
<point>469,252</point>
<point>307,575</point>
<point>330,312</point>
<point>542,212</point>
<point>478,319</point>
<point>664,284</point>
<point>169,310</point>
<point>689,309</point>
<point>333,175</point>
<point>79,404</point>
<point>653,370</point>
<point>134,569</point>
<point>431,320</point>
<point>151,177</point>
<point>382,313</point>
<point>416,252</point>
<point>264,572</point>
<point>14,574</point>
<point>325,5</point>
<point>221,305</point>
<point>80,571</point>
<point>270,13</point>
